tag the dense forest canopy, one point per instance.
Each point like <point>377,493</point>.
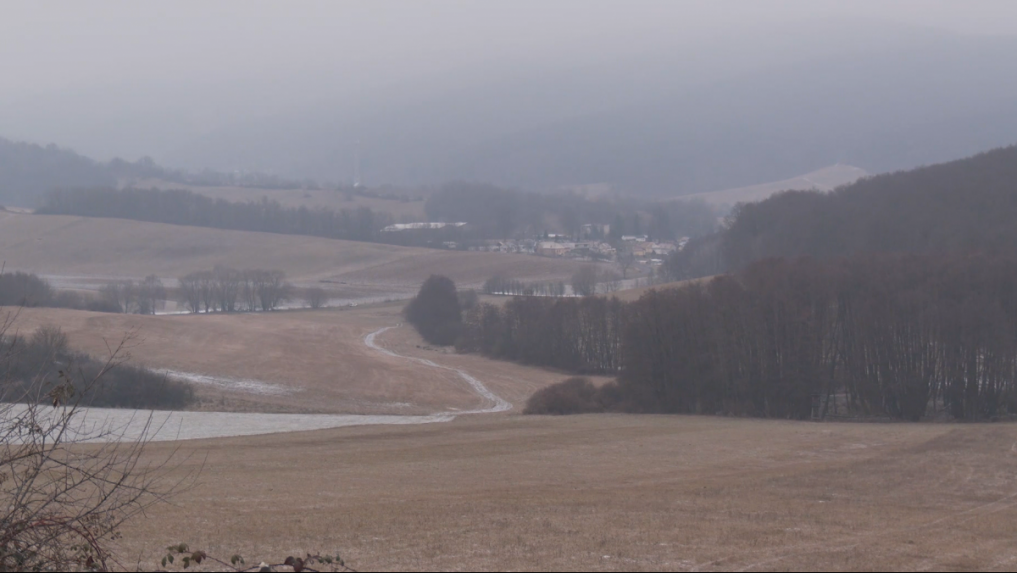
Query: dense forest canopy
<point>962,206</point>
<point>491,213</point>
<point>892,336</point>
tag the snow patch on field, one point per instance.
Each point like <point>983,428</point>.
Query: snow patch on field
<point>233,384</point>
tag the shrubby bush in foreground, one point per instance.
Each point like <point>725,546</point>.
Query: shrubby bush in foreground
<point>46,355</point>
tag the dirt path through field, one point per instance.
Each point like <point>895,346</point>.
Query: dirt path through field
<point>99,424</point>
<point>498,404</point>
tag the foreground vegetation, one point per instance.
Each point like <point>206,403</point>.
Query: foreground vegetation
<point>36,365</point>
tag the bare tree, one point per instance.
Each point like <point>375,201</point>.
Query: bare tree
<point>226,287</point>
<point>151,295</point>
<point>611,281</point>
<point>190,291</point>
<point>626,259</point>
<point>316,297</point>
<point>120,294</point>
<point>584,282</point>
<point>272,289</point>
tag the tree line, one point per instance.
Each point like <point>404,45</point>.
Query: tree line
<point>134,297</point>
<point>492,213</point>
<point>223,289</point>
<point>497,213</point>
<point>181,207</point>
<point>895,336</point>
<point>962,206</point>
<point>572,334</point>
<point>500,284</point>
<point>29,290</point>
<point>584,282</point>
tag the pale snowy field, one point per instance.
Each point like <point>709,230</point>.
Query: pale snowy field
<point>113,424</point>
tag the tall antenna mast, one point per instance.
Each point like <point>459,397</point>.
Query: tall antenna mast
<point>356,166</point>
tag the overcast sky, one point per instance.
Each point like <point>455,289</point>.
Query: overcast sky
<point>184,53</point>
<point>47,45</point>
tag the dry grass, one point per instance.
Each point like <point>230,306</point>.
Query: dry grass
<point>82,249</point>
<point>319,355</point>
<point>607,492</point>
<point>506,491</point>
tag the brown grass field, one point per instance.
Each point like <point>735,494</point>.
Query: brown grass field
<point>507,491</point>
<point>319,356</point>
<point>604,492</point>
<point>81,249</point>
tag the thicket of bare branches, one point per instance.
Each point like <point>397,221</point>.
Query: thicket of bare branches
<point>500,284</point>
<point>584,281</point>
<point>580,335</point>
<point>315,297</point>
<point>68,481</point>
<point>223,289</point>
<point>143,297</point>
<point>888,336</point>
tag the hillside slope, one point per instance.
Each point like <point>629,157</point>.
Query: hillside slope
<point>826,179</point>
<point>57,245</point>
<point>911,102</point>
<point>963,206</point>
<point>28,171</point>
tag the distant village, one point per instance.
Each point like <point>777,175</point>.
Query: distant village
<point>640,247</point>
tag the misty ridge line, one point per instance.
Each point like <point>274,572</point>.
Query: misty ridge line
<point>662,124</point>
<point>490,213</point>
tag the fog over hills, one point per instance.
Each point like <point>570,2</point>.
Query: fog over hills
<point>896,99</point>
<point>665,100</point>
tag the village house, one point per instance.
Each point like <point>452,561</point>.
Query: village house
<point>549,249</point>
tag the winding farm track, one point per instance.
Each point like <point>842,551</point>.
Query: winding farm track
<point>498,404</point>
<point>107,424</point>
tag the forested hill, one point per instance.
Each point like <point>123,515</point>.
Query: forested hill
<point>28,171</point>
<point>963,206</point>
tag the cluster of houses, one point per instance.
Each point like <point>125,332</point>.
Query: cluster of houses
<point>418,226</point>
<point>643,249</point>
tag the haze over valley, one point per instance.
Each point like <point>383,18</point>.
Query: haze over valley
<point>521,285</point>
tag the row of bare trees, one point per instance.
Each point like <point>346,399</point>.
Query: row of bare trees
<point>892,336</point>
<point>500,284</point>
<point>138,297</point>
<point>585,282</point>
<point>897,336</point>
<point>223,289</point>
<point>575,334</point>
